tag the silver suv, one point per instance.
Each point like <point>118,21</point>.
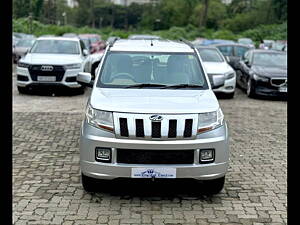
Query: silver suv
<point>152,114</point>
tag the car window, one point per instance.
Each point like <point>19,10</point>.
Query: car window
<point>226,50</point>
<point>270,59</point>
<point>55,47</point>
<point>210,55</point>
<point>126,68</point>
<point>25,43</point>
<point>240,51</point>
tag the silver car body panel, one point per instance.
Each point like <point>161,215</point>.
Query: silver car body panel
<point>142,103</point>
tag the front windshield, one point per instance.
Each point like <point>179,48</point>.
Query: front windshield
<point>122,69</point>
<point>25,43</point>
<point>210,55</point>
<point>270,59</point>
<point>56,47</point>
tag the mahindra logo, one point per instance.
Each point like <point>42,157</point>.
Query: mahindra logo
<point>47,68</point>
<point>156,118</point>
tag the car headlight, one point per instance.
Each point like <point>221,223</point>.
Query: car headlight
<point>24,65</point>
<point>209,121</point>
<point>260,78</point>
<point>229,75</point>
<point>73,66</point>
<point>100,119</point>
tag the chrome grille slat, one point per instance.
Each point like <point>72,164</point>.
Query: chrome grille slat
<point>178,123</point>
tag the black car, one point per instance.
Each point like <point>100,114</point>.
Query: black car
<point>263,72</point>
<point>233,52</point>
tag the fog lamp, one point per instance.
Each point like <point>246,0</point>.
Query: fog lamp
<point>103,154</point>
<point>207,155</point>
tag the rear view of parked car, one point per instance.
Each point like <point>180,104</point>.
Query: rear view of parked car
<point>52,62</point>
<point>246,41</point>
<point>221,75</point>
<point>21,48</point>
<point>263,72</point>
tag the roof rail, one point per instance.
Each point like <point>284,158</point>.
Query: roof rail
<point>113,41</point>
<point>187,42</point>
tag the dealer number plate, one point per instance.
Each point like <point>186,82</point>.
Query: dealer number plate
<point>153,172</point>
<point>46,78</point>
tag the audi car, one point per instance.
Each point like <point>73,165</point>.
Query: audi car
<point>52,62</point>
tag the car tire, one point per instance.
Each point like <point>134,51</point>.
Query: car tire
<point>215,186</point>
<point>89,184</point>
<point>22,90</point>
<point>250,91</point>
<point>229,95</point>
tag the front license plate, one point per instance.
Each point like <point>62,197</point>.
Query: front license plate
<point>283,89</point>
<point>46,78</point>
<point>153,172</point>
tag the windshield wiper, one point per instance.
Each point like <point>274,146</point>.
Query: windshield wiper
<point>145,85</point>
<point>183,86</point>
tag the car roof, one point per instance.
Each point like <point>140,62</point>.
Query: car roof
<point>267,51</point>
<point>143,36</point>
<point>232,44</point>
<point>145,46</point>
<point>59,38</point>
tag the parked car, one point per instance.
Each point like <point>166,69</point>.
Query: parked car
<point>21,48</point>
<point>233,52</point>
<point>52,61</point>
<point>70,35</point>
<point>96,43</point>
<point>218,69</point>
<point>268,43</point>
<point>111,39</point>
<point>152,114</point>
<point>279,45</point>
<point>216,41</point>
<point>246,41</point>
<point>143,37</point>
<point>263,72</point>
<point>198,41</point>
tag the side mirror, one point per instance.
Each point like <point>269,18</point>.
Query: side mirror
<point>85,52</point>
<point>85,79</point>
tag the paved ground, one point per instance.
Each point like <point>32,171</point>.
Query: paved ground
<point>46,177</point>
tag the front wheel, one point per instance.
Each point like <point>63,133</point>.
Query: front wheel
<point>91,184</point>
<point>22,90</point>
<point>229,95</point>
<point>250,89</point>
<point>213,187</point>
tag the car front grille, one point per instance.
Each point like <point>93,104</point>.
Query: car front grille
<point>36,70</point>
<point>139,126</point>
<point>278,82</point>
<point>139,156</point>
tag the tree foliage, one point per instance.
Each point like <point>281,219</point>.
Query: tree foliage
<point>169,15</point>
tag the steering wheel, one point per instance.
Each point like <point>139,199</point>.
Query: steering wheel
<point>122,75</point>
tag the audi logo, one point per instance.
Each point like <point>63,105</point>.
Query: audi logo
<point>156,118</point>
<point>47,68</point>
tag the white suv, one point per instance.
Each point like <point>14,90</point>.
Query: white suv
<point>52,61</point>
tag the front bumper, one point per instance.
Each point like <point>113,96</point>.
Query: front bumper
<point>228,87</point>
<point>30,83</point>
<point>92,137</point>
<point>265,89</point>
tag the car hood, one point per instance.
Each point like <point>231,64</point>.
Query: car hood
<point>217,68</point>
<point>55,59</point>
<point>270,71</point>
<point>153,100</point>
